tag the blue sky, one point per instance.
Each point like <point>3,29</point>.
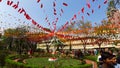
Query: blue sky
<point>39,14</point>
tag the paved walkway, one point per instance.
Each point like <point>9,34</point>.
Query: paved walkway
<point>91,62</point>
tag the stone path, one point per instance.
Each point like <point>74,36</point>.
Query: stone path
<point>91,62</point>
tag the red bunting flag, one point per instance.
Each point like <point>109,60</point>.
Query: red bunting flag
<point>82,18</point>
<point>105,1</point>
<point>99,6</point>
<point>54,4</point>
<point>27,16</point>
<point>38,1</point>
<point>55,13</point>
<point>62,11</point>
<point>9,2</point>
<point>38,25</point>
<point>0,0</point>
<point>82,10</point>
<point>46,18</point>
<point>15,6</point>
<point>72,18</point>
<point>41,6</point>
<point>88,14</point>
<point>21,11</point>
<point>92,10</point>
<point>75,16</point>
<point>34,22</point>
<point>88,5</point>
<point>65,4</point>
<point>54,10</point>
<point>93,0</point>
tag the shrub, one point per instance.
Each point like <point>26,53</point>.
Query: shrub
<point>93,58</point>
<point>3,55</point>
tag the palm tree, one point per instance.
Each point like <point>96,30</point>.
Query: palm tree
<point>113,6</point>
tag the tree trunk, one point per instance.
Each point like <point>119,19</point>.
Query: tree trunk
<point>84,49</point>
<point>10,45</point>
<point>99,47</point>
<point>47,48</point>
<point>70,48</point>
<point>20,47</point>
<point>58,48</point>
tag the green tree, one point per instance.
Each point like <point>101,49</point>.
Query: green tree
<point>16,39</point>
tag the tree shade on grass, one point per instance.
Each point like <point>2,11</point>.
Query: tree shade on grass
<point>60,63</point>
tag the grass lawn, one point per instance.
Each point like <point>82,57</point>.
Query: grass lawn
<point>43,62</point>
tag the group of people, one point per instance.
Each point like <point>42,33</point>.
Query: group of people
<point>107,59</point>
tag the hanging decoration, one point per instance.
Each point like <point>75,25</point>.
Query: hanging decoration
<point>88,14</point>
<point>54,4</point>
<point>105,1</point>
<point>0,0</point>
<point>38,1</point>
<point>99,6</point>
<point>93,0</point>
<point>41,6</point>
<point>92,10</point>
<point>65,4</point>
<point>88,4</point>
<point>55,12</point>
<point>82,10</point>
